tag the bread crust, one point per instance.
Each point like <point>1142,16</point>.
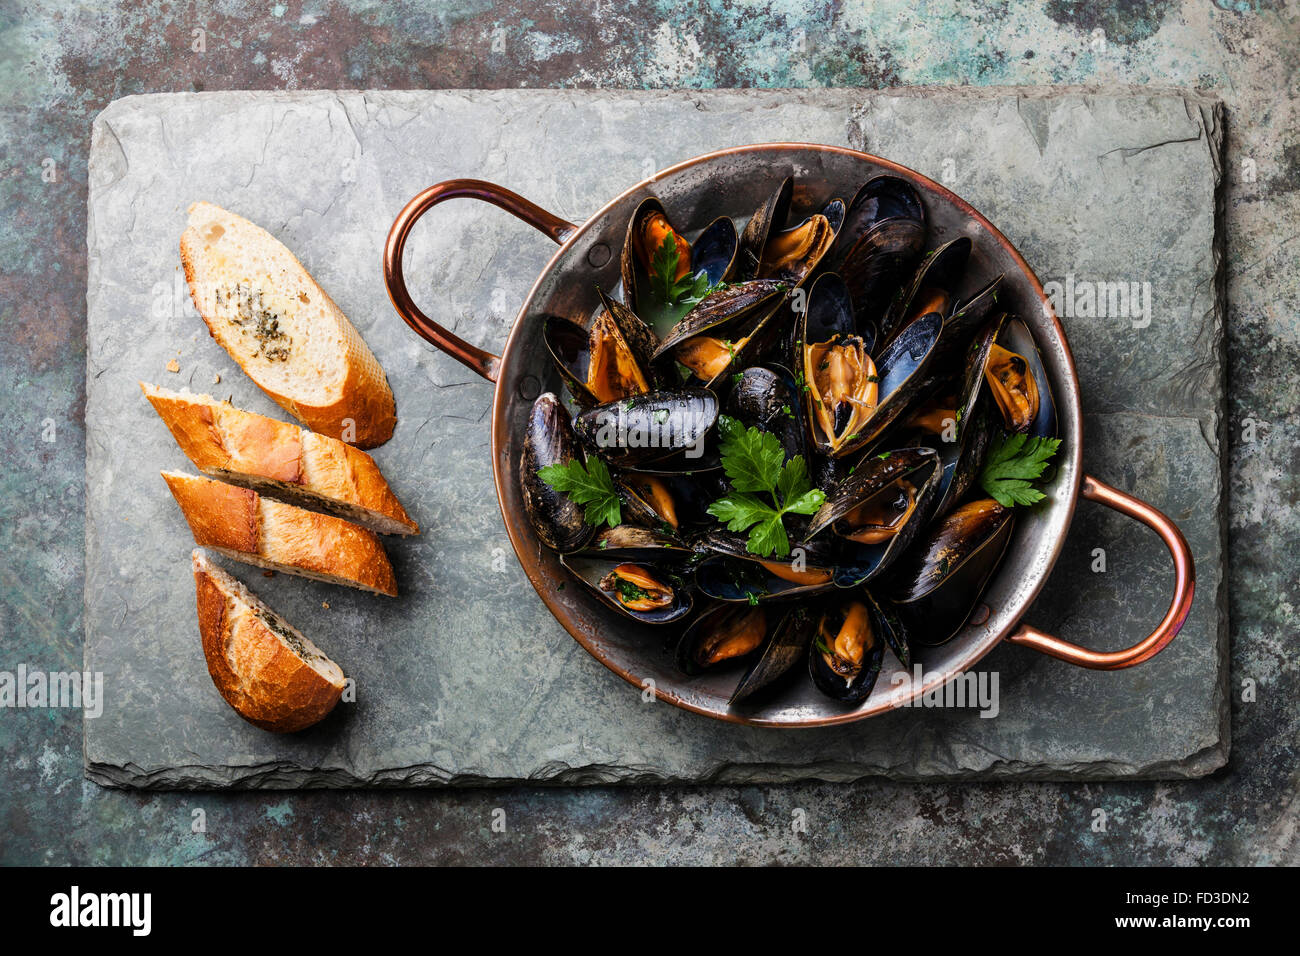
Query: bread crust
<point>364,413</point>
<point>242,524</point>
<point>253,669</point>
<point>253,450</point>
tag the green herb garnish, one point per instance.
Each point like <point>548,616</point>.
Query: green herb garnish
<point>589,486</point>
<point>664,283</point>
<point>1014,462</point>
<point>754,462</point>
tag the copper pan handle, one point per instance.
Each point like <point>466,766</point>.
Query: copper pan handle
<point>1179,607</point>
<point>481,361</point>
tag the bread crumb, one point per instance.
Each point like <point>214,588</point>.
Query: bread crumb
<point>216,379</point>
<point>173,366</point>
<point>325,605</point>
<point>268,574</point>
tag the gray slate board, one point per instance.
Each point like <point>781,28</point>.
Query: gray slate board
<point>466,679</point>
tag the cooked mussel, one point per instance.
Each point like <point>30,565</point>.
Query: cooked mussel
<point>644,591</point>
<point>847,650</point>
<point>769,250</point>
<point>717,335</point>
<point>878,510</point>
<point>549,440</point>
<point>938,582</point>
<point>655,251</point>
<point>850,400</point>
<point>608,361</point>
<point>725,632</point>
<point>729,571</point>
<point>785,647</point>
<point>1018,382</point>
<point>650,427</point>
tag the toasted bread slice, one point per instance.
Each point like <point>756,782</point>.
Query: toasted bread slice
<point>263,307</point>
<point>263,666</point>
<point>280,460</point>
<point>241,524</point>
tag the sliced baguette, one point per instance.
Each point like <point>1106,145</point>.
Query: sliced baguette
<point>262,665</point>
<point>241,524</point>
<point>280,460</point>
<point>264,308</point>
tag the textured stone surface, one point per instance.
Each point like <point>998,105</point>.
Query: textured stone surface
<point>63,64</point>
<point>466,678</point>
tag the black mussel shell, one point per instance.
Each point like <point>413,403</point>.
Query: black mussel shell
<point>670,423</point>
<point>874,268</point>
<point>942,271</point>
<point>765,397</point>
<point>715,250</point>
<point>857,611</point>
<point>861,561</point>
<point>745,627</point>
<point>738,316</point>
<point>879,200</point>
<point>627,542</point>
<point>635,277</point>
<point>549,440</point>
<point>937,583</point>
<point>592,568</point>
<point>768,218</point>
<point>786,646</point>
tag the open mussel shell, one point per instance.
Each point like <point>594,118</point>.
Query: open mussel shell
<point>786,646</point>
<point>768,249</point>
<point>607,362</point>
<point>879,510</point>
<point>960,327</point>
<point>900,373</point>
<point>848,647</point>
<point>1015,367</point>
<point>646,230</point>
<point>767,219</point>
<point>766,398</point>
<point>723,634</point>
<point>656,426</point>
<point>715,251</point>
<point>938,582</point>
<point>933,288</point>
<point>664,502</point>
<point>728,571</point>
<point>549,440</point>
<point>645,591</point>
<point>718,335</point>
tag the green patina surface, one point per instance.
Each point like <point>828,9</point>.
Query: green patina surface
<point>60,63</point>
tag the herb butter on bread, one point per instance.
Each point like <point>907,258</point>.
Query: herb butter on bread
<point>262,665</point>
<point>280,460</point>
<point>263,307</point>
<point>241,524</point>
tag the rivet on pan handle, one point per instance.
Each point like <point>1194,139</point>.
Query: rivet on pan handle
<point>483,362</point>
<point>1179,608</point>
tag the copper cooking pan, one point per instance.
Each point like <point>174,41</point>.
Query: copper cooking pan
<point>735,181</point>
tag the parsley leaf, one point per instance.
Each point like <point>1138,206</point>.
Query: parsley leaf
<point>664,283</point>
<point>754,462</point>
<point>1013,463</point>
<point>590,486</point>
